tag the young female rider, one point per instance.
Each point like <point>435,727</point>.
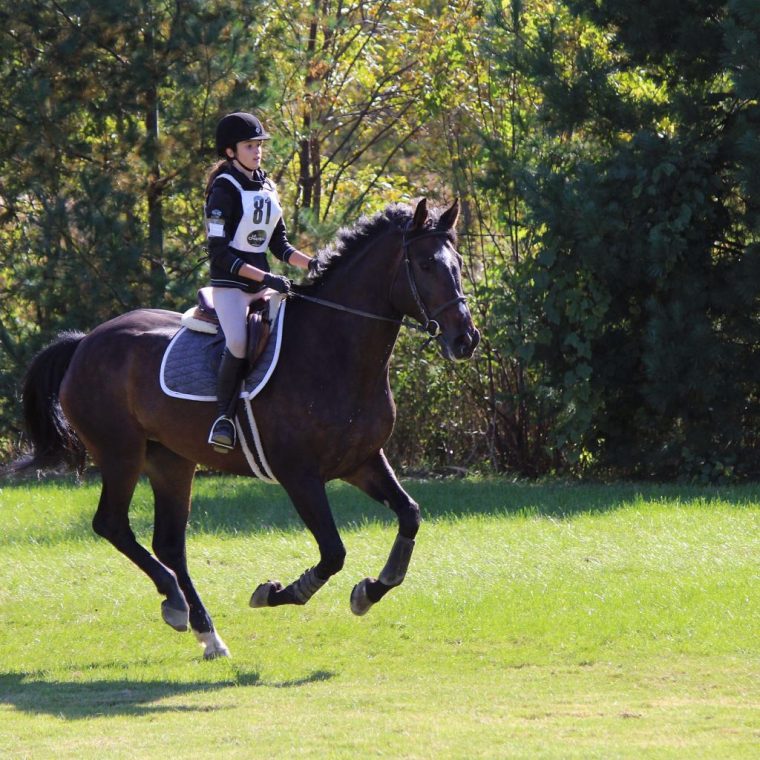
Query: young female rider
<point>243,220</point>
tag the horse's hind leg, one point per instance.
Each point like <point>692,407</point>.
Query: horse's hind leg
<point>120,470</point>
<point>171,478</point>
<point>377,479</point>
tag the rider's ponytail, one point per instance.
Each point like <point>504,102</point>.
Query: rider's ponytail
<point>213,172</point>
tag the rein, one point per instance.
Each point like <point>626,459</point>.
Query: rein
<point>357,312</point>
<point>430,326</point>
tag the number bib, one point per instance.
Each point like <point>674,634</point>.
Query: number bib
<point>261,212</point>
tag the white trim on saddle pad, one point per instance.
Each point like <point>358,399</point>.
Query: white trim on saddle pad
<point>161,374</point>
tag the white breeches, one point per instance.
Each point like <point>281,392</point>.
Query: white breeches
<point>231,306</point>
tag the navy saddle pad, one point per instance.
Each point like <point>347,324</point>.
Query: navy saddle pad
<point>190,364</point>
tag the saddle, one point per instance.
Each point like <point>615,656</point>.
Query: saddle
<point>203,318</point>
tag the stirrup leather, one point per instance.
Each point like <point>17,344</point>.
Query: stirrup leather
<point>218,438</point>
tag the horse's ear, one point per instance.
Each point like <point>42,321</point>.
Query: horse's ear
<point>420,215</point>
<point>449,218</point>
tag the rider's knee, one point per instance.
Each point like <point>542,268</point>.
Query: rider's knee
<point>236,344</point>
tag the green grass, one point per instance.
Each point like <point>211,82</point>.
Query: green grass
<point>549,621</point>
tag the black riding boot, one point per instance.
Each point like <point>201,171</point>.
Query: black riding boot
<point>222,436</point>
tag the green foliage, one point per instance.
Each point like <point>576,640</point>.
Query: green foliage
<point>643,289</point>
<point>106,114</point>
<point>605,155</point>
<point>436,430</point>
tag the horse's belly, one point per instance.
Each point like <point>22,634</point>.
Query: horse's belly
<point>336,445</point>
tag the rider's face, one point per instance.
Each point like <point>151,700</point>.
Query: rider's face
<point>248,153</point>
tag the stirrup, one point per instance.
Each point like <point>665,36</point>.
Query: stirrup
<point>219,439</point>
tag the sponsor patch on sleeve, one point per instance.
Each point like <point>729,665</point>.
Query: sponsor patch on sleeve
<point>215,224</point>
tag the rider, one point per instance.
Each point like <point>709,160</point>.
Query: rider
<point>243,220</point>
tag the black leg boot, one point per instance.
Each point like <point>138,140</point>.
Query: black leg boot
<point>223,436</point>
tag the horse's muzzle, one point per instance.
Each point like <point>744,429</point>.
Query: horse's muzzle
<point>460,347</point>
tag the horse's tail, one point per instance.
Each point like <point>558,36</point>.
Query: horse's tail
<point>53,440</point>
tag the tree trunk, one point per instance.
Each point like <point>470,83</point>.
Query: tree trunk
<point>155,184</point>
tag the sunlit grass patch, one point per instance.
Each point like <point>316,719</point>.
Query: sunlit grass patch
<point>536,621</point>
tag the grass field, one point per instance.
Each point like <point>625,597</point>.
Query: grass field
<point>537,621</point>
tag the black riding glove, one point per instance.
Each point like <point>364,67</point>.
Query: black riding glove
<point>277,282</point>
<point>314,266</point>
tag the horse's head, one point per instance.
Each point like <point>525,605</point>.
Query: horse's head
<point>429,284</point>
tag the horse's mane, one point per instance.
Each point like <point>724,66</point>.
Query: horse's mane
<point>354,239</point>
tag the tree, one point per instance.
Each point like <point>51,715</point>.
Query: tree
<point>118,102</point>
<point>104,130</point>
<point>645,289</point>
<point>353,81</point>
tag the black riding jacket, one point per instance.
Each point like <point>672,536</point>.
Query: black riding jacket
<point>224,202</point>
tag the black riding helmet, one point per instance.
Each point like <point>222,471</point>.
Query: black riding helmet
<point>237,127</point>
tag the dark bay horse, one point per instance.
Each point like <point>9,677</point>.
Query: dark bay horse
<point>325,414</point>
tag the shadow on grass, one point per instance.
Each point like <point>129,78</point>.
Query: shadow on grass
<point>34,693</point>
<point>232,505</point>
<point>218,506</point>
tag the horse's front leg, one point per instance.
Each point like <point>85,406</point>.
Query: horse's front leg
<point>310,500</point>
<point>377,479</point>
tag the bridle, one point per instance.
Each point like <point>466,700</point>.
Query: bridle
<point>430,326</point>
<point>428,322</point>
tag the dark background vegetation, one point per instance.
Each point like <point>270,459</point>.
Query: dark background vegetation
<point>606,154</point>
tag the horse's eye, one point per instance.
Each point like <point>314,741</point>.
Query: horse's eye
<point>425,264</point>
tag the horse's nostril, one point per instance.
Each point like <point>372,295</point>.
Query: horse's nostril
<point>468,342</point>
<point>465,343</point>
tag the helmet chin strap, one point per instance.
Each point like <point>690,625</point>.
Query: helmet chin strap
<point>241,165</point>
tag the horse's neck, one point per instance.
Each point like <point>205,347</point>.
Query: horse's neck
<point>362,284</point>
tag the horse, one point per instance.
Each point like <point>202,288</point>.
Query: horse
<point>325,414</point>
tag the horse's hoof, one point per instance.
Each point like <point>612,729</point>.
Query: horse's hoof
<point>213,654</point>
<point>213,646</point>
<point>360,602</point>
<point>260,597</point>
<point>177,619</point>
